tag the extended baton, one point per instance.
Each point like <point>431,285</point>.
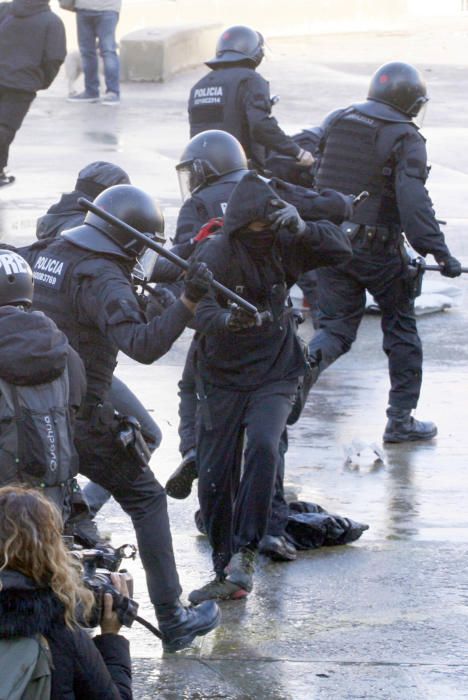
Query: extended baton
<point>180,262</point>
<point>438,268</point>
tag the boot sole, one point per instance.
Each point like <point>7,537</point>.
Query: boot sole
<point>184,642</point>
<point>276,556</point>
<point>179,485</point>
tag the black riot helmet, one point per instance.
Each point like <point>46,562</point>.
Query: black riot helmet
<point>238,44</point>
<point>399,85</point>
<point>207,156</point>
<point>135,208</point>
<point>16,280</point>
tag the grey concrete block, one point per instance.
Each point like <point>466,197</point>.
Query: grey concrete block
<point>154,54</point>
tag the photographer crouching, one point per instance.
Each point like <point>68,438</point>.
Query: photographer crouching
<point>41,594</point>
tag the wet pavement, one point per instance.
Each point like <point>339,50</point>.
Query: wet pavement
<point>386,617</point>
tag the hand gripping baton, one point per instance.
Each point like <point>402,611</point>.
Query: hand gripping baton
<point>180,262</point>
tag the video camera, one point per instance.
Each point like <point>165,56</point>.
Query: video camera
<point>98,564</point>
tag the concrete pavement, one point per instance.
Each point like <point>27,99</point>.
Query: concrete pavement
<point>386,617</point>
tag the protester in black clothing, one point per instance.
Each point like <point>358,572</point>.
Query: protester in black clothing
<point>39,594</point>
<point>32,49</point>
<point>250,372</point>
<point>235,98</point>
<point>83,281</point>
<point>376,146</point>
<point>210,167</point>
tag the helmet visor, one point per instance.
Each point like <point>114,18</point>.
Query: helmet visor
<point>190,178</point>
<point>421,115</point>
<point>144,266</point>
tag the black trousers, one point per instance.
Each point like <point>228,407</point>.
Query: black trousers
<point>188,414</point>
<point>236,514</point>
<point>143,499</point>
<point>14,105</point>
<point>342,303</point>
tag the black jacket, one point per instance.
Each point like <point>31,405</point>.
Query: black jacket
<point>248,359</point>
<point>235,98</point>
<point>32,45</point>
<point>84,668</point>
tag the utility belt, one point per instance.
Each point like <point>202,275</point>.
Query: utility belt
<point>363,236</point>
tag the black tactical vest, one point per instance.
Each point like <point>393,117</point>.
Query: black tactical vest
<point>215,103</point>
<point>55,290</point>
<point>214,198</point>
<point>351,164</point>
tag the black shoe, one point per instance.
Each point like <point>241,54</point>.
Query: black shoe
<point>179,484</point>
<point>402,427</point>
<point>6,179</point>
<point>241,568</point>
<point>180,625</point>
<point>277,548</point>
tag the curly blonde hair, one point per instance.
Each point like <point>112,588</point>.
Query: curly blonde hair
<point>31,543</point>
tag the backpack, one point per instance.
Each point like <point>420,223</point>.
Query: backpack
<point>36,443</point>
<point>25,668</point>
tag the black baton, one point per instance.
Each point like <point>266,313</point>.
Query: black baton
<point>180,262</point>
<point>438,268</point>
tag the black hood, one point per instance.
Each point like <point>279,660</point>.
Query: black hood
<point>66,213</point>
<point>32,348</point>
<point>25,607</point>
<point>249,201</point>
<point>26,8</point>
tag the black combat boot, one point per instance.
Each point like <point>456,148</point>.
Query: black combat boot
<point>179,484</point>
<point>277,548</point>
<point>180,625</point>
<point>402,427</point>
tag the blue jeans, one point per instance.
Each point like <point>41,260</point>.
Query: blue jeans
<point>94,26</point>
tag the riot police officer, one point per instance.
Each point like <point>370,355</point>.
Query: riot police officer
<point>235,98</point>
<point>376,146</point>
<point>83,281</point>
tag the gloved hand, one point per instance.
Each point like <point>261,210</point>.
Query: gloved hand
<point>451,267</point>
<point>236,319</point>
<point>158,300</point>
<point>210,228</point>
<point>305,158</point>
<point>197,280</point>
<point>286,216</point>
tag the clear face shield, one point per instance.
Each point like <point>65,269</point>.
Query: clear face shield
<point>190,176</point>
<point>421,115</point>
<point>143,269</point>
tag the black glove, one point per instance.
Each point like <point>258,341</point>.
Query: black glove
<point>286,216</point>
<point>451,267</point>
<point>158,300</point>
<point>239,320</point>
<point>198,280</point>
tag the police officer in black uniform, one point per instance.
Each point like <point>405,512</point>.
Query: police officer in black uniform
<point>83,282</point>
<point>235,98</point>
<point>376,146</point>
